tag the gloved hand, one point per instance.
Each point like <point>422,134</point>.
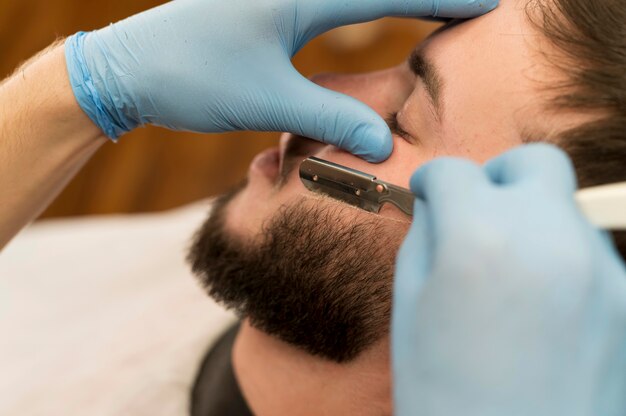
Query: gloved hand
<point>507,301</point>
<point>221,65</point>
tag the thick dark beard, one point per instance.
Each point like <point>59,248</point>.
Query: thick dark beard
<point>316,281</point>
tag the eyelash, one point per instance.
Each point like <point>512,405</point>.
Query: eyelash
<point>394,126</point>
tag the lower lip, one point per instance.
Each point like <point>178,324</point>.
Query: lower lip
<point>267,164</point>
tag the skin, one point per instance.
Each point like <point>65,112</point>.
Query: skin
<point>492,99</point>
<point>43,132</point>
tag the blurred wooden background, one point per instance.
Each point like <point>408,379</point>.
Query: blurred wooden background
<point>154,169</point>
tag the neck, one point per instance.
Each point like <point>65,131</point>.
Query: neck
<point>279,379</point>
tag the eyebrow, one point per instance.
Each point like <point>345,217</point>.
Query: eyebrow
<point>428,73</point>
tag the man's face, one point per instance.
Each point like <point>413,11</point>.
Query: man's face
<point>472,90</point>
<point>490,75</point>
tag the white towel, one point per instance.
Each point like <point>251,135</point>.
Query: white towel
<point>101,316</point>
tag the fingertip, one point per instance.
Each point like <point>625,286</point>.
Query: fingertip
<point>343,121</point>
<point>464,8</point>
<point>491,5</point>
<point>540,163</point>
<point>550,154</point>
<point>558,162</point>
<point>370,140</point>
<point>378,144</point>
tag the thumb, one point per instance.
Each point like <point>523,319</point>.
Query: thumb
<point>334,118</point>
<point>413,266</point>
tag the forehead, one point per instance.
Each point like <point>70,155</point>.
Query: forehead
<point>494,81</point>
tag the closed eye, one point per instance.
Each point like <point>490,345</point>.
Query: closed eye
<point>396,128</point>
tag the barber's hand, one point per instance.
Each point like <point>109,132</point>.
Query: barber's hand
<point>221,65</point>
<point>507,301</point>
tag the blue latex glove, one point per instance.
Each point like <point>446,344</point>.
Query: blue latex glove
<point>507,301</point>
<point>222,65</point>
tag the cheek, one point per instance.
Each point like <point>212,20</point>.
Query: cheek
<point>404,160</point>
<point>250,211</point>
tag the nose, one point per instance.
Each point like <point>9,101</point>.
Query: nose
<point>384,91</point>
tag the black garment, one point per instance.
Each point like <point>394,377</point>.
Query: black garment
<point>215,391</point>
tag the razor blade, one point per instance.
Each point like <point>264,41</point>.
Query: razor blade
<point>356,188</point>
<point>604,206</point>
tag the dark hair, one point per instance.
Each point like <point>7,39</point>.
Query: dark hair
<point>590,38</point>
<point>314,281</point>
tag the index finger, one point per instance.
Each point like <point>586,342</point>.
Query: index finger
<point>357,11</point>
